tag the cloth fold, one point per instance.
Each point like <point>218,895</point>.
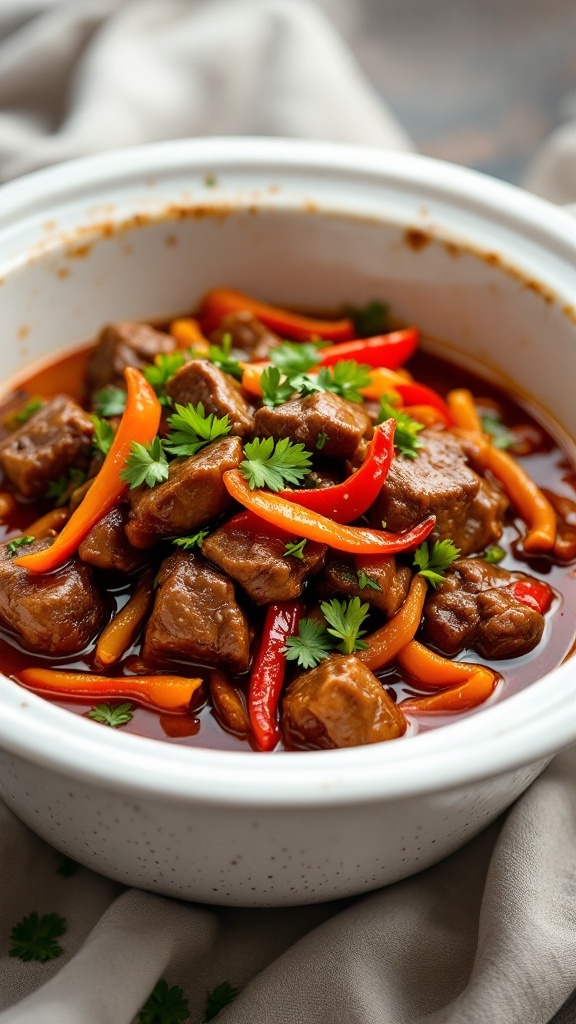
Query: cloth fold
<point>489,935</point>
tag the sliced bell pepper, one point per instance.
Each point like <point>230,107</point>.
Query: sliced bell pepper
<point>350,499</point>
<point>267,677</point>
<point>296,519</point>
<point>462,697</point>
<point>221,302</point>
<point>163,693</point>
<point>421,394</point>
<point>140,423</point>
<point>387,350</point>
<point>533,593</point>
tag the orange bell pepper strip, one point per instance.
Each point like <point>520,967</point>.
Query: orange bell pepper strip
<point>463,697</point>
<point>221,302</point>
<point>431,669</point>
<point>462,407</point>
<point>188,334</point>
<point>7,506</point>
<point>302,522</point>
<point>387,350</point>
<point>139,423</point>
<point>162,693</point>
<point>123,629</point>
<point>251,373</point>
<point>385,643</point>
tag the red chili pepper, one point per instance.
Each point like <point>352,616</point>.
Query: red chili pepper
<point>389,350</point>
<point>221,302</point>
<point>350,500</point>
<point>420,394</point>
<point>533,593</point>
<point>267,676</point>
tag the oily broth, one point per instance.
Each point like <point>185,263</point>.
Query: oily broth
<point>547,464</point>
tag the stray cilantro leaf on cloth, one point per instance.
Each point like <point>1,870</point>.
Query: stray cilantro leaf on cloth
<point>195,540</point>
<point>146,463</point>
<point>164,1005</point>
<point>274,465</point>
<point>34,937</point>
<point>162,370</point>
<point>66,866</point>
<point>406,439</point>
<point>60,490</point>
<point>344,621</point>
<point>220,356</point>
<point>110,401</point>
<point>499,434</point>
<point>218,998</point>
<point>276,389</point>
<point>103,434</point>
<point>295,548</point>
<point>345,379</point>
<point>19,542</point>
<point>294,358</point>
<point>432,563</point>
<point>191,430</point>
<point>370,319</point>
<point>494,554</point>
<point>365,581</point>
<point>113,715</point>
<point>310,645</point>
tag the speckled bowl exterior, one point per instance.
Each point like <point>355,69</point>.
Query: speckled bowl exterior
<point>478,264</point>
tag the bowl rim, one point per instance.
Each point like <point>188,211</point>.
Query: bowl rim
<point>527,727</point>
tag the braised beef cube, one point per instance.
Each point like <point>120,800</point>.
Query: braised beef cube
<point>475,608</point>
<point>52,613</point>
<point>123,344</point>
<point>201,381</point>
<point>107,546</point>
<point>52,442</point>
<point>468,508</point>
<point>341,578</point>
<point>258,562</point>
<point>248,334</point>
<point>193,495</point>
<point>196,616</point>
<point>304,419</point>
<point>338,704</point>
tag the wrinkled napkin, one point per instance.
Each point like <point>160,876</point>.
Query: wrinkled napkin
<point>488,936</point>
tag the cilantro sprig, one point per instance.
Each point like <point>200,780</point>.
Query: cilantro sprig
<point>191,429</point>
<point>110,401</point>
<point>342,631</point>
<point>165,365</point>
<point>194,540</point>
<point>34,937</point>
<point>19,542</point>
<point>146,464</point>
<point>60,490</point>
<point>367,582</point>
<point>220,356</point>
<point>113,715</point>
<point>310,645</point>
<point>406,439</point>
<point>345,379</point>
<point>103,434</point>
<point>498,432</point>
<point>294,358</point>
<point>432,562</point>
<point>276,389</point>
<point>370,319</point>
<point>295,549</point>
<point>23,415</point>
<point>217,999</point>
<point>274,465</point>
<point>164,1005</point>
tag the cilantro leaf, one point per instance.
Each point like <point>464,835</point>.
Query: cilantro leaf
<point>19,542</point>
<point>34,937</point>
<point>370,319</point>
<point>344,621</point>
<point>294,358</point>
<point>310,645</point>
<point>165,365</point>
<point>345,378</point>
<point>321,440</point>
<point>218,998</point>
<point>146,463</point>
<point>493,555</point>
<point>195,540</point>
<point>164,1005</point>
<point>66,866</point>
<point>367,581</point>
<point>113,715</point>
<point>274,465</point>
<point>295,548</point>
<point>110,401</point>
<point>28,410</point>
<point>432,563</point>
<point>220,356</point>
<point>406,439</point>
<point>276,389</point>
<point>191,430</point>
<point>61,489</point>
<point>499,434</point>
<point>103,434</point>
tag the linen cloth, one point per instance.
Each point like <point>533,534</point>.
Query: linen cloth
<point>489,935</point>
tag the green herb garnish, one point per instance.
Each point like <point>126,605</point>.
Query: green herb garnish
<point>217,999</point>
<point>146,463</point>
<point>295,358</point>
<point>191,429</point>
<point>274,465</point>
<point>295,548</point>
<point>113,715</point>
<point>103,434</point>
<point>19,542</point>
<point>110,401</point>
<point>321,440</point>
<point>433,562</point>
<point>34,937</point>
<point>344,620</point>
<point>195,540</point>
<point>32,406</point>
<point>165,365</point>
<point>365,581</point>
<point>61,489</point>
<point>220,356</point>
<point>499,434</point>
<point>276,389</point>
<point>345,379</point>
<point>493,555</point>
<point>406,439</point>
<point>164,1005</point>
<point>370,319</point>
<point>310,645</point>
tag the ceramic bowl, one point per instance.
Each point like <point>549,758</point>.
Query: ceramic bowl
<point>141,234</point>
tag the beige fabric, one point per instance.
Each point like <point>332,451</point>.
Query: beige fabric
<point>489,935</point>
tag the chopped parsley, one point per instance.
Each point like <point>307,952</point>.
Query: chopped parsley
<point>164,1005</point>
<point>365,581</point>
<point>28,410</point>
<point>146,464</point>
<point>220,356</point>
<point>493,555</point>
<point>321,440</point>
<point>194,540</point>
<point>165,365</point>
<point>61,489</point>
<point>103,434</point>
<point>499,434</point>
<point>345,379</point>
<point>295,358</point>
<point>19,542</point>
<point>433,562</point>
<point>34,937</point>
<point>113,715</point>
<point>370,319</point>
<point>295,548</point>
<point>274,465</point>
<point>110,401</point>
<point>218,998</point>
<point>191,429</point>
<point>406,439</point>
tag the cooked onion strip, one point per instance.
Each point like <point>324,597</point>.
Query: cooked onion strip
<point>386,643</point>
<point>227,702</point>
<point>121,632</point>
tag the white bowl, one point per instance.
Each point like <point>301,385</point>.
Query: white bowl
<point>142,233</point>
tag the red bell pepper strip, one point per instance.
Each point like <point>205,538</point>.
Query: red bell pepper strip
<point>268,671</point>
<point>139,423</point>
<point>463,697</point>
<point>420,394</point>
<point>163,693</point>
<point>388,350</point>
<point>296,519</point>
<point>350,499</point>
<point>221,302</point>
<point>533,593</point>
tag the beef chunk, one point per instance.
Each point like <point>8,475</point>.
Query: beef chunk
<point>124,344</point>
<point>52,613</point>
<point>193,495</point>
<point>259,564</point>
<point>475,608</point>
<point>248,334</point>
<point>338,704</point>
<point>107,546</point>
<point>340,579</point>
<point>303,419</point>
<point>468,509</point>
<point>45,448</point>
<point>196,617</point>
<point>201,381</point>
